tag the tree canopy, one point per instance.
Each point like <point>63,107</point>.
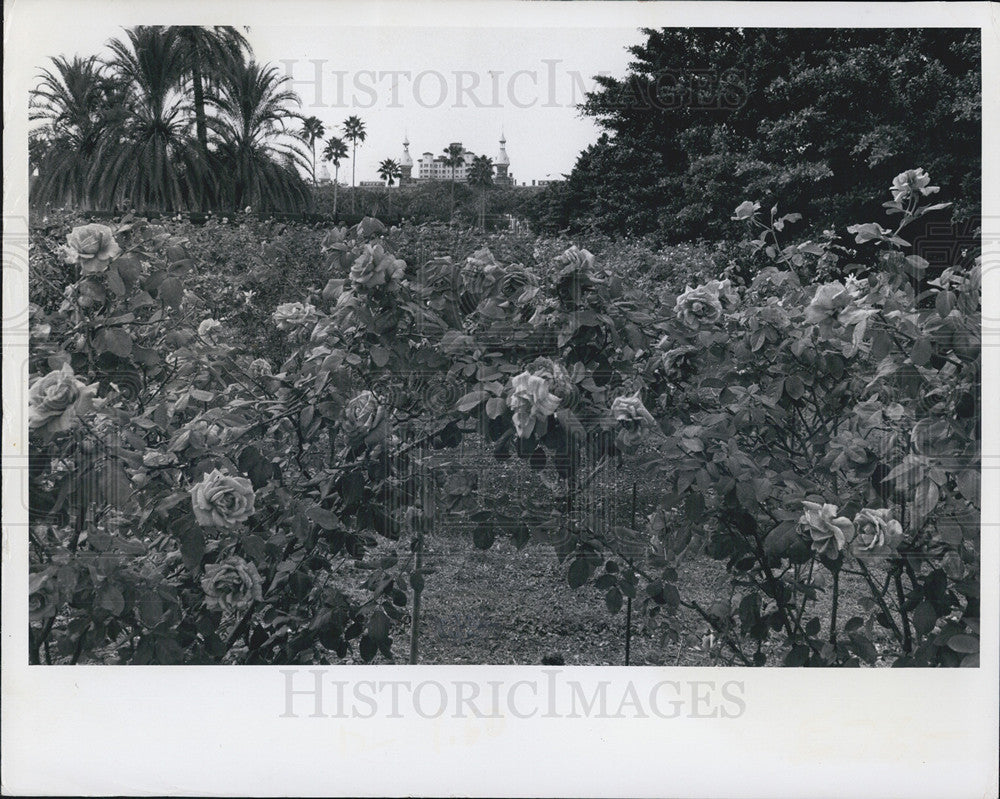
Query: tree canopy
<point>818,120</point>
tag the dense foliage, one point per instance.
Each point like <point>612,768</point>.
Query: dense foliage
<point>176,118</point>
<point>492,208</point>
<point>821,119</point>
<point>196,494</point>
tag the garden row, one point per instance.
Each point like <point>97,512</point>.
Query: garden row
<point>205,493</point>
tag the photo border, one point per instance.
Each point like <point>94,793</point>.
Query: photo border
<point>185,730</point>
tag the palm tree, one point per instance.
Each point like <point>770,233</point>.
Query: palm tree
<point>148,159</point>
<point>77,101</point>
<point>481,174</point>
<point>354,132</point>
<point>312,131</point>
<point>257,151</point>
<point>389,170</point>
<point>453,157</point>
<point>207,52</point>
<point>334,152</point>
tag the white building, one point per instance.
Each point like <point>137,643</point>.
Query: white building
<point>436,167</point>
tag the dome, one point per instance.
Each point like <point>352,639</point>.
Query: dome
<point>502,159</point>
<point>406,159</point>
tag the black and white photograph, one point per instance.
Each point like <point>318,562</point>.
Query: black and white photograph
<point>350,342</point>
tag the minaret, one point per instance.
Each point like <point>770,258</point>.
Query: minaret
<point>406,162</point>
<point>502,162</point>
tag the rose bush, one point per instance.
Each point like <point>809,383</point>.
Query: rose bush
<point>196,499</point>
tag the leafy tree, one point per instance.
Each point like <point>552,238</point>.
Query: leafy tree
<point>255,145</point>
<point>453,157</point>
<point>706,115</point>
<point>312,131</point>
<point>148,160</point>
<point>335,152</point>
<point>389,170</point>
<point>206,52</point>
<point>354,132</point>
<point>134,130</point>
<point>481,175</point>
<point>76,100</point>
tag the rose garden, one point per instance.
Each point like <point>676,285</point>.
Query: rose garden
<point>713,398</point>
<point>235,459</point>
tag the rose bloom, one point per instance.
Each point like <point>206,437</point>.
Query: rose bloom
<point>560,383</point>
<point>679,360</point>
<point>42,598</point>
<point>375,267</point>
<point>198,433</point>
<point>92,246</point>
<point>910,182</point>
<point>698,307</point>
<point>362,415</point>
<point>724,291</point>
<point>259,367</point>
<point>331,240</point>
<point>57,400</point>
<point>222,500</point>
<point>208,327</point>
<point>631,410</point>
<point>878,534</point>
<point>828,532</point>
<point>829,300</point>
<point>531,401</point>
<point>294,315</point>
<point>576,258</point>
<point>231,585</point>
<point>518,283</point>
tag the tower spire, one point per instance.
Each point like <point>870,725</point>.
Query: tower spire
<point>502,162</point>
<point>406,162</point>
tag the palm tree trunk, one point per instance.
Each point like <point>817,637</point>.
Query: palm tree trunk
<point>201,126</point>
<point>452,217</point>
<point>336,182</point>
<point>354,193</point>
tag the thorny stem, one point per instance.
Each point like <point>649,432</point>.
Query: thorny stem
<point>901,597</point>
<point>833,609</point>
<point>879,597</point>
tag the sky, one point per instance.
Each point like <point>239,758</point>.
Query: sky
<point>433,84</point>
